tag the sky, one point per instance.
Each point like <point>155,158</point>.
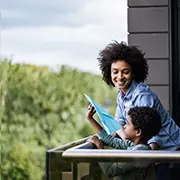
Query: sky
<point>57,32</point>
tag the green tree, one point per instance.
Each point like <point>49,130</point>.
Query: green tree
<point>42,109</point>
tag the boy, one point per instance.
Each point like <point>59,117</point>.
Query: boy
<point>142,124</point>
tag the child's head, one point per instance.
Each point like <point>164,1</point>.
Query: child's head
<point>132,55</point>
<point>143,122</point>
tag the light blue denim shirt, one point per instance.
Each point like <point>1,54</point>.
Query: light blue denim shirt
<point>139,94</point>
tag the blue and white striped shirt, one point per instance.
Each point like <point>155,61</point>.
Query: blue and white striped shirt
<point>139,94</point>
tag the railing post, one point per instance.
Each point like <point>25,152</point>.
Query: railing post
<point>95,171</point>
<point>47,166</point>
<point>74,171</point>
<point>56,165</point>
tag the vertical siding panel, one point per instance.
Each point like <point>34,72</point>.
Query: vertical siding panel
<point>148,28</point>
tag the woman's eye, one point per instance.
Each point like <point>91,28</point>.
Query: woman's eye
<point>115,72</point>
<point>126,72</point>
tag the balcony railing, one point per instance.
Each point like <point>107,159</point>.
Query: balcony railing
<point>78,158</point>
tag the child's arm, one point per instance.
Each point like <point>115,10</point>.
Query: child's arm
<point>89,115</point>
<point>107,139</point>
<point>94,139</point>
<point>114,142</point>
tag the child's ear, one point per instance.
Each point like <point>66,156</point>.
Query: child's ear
<point>138,132</point>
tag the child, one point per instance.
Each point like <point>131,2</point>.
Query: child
<point>142,124</point>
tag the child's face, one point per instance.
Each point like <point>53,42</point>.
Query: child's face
<point>129,131</point>
<point>121,75</point>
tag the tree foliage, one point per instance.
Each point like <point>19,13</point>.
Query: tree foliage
<point>42,109</point>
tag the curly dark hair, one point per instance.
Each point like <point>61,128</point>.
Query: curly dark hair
<point>147,119</point>
<point>121,51</point>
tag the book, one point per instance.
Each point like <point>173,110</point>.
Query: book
<point>107,120</point>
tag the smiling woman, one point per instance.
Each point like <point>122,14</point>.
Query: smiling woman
<point>61,32</point>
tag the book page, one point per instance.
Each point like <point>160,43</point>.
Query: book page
<point>107,120</point>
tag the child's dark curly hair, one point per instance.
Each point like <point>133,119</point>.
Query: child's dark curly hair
<point>146,119</point>
<point>121,51</point>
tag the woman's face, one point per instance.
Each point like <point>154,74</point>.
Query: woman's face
<point>121,75</point>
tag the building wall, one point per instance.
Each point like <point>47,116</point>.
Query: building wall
<point>175,58</point>
<point>148,27</point>
<point>178,49</point>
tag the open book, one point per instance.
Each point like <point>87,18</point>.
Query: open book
<point>108,122</point>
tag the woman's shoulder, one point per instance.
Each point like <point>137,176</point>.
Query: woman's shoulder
<point>143,95</point>
<point>143,88</point>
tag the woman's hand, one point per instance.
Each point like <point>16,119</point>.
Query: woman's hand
<point>97,142</point>
<point>90,112</point>
<point>154,146</point>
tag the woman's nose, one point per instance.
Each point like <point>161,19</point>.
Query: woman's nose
<point>120,76</point>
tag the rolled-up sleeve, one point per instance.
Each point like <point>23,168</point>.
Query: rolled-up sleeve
<point>156,139</point>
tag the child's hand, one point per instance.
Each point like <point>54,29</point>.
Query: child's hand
<point>97,142</point>
<point>90,112</point>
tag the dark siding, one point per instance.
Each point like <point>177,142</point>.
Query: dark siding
<point>147,2</point>
<point>155,45</point>
<point>148,27</point>
<point>163,94</point>
<point>157,74</point>
<point>145,19</point>
<point>175,59</point>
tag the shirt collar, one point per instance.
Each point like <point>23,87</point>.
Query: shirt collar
<point>130,90</point>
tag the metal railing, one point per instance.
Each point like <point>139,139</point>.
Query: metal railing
<point>67,157</point>
<point>55,163</point>
<point>86,155</point>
